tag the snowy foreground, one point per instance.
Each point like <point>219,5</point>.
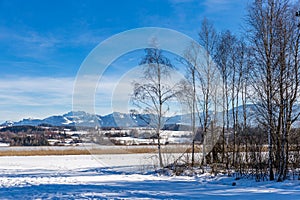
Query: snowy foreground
<point>122,177</point>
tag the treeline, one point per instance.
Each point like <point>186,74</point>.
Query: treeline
<point>29,140</point>
<point>224,71</point>
<point>262,68</point>
<point>24,136</point>
<point>32,135</point>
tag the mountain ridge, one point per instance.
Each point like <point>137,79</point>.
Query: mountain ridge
<point>116,119</point>
<point>123,120</point>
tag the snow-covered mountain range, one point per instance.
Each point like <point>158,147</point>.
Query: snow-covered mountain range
<point>116,119</point>
<point>81,118</point>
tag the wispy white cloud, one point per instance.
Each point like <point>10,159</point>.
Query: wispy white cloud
<point>217,5</point>
<point>225,14</point>
<point>52,39</point>
<point>38,84</point>
<point>47,45</point>
<point>34,96</point>
<point>87,37</point>
<point>28,43</point>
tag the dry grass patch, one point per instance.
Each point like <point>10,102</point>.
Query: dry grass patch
<point>48,152</point>
<point>93,150</point>
<point>44,152</point>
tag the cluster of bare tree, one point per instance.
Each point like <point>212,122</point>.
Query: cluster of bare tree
<point>229,72</point>
<point>274,36</point>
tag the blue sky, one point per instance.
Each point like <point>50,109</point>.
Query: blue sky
<point>43,43</point>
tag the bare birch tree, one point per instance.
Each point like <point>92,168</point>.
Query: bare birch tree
<point>275,39</point>
<point>206,75</point>
<point>191,61</point>
<point>223,57</point>
<point>153,94</point>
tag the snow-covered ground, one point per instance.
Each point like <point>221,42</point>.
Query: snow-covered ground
<point>122,177</point>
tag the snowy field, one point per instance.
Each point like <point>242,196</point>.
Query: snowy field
<point>122,177</point>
